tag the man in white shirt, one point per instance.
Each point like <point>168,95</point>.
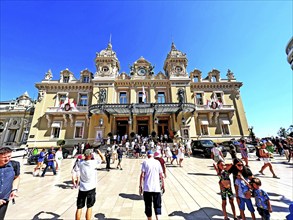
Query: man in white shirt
<point>151,173</point>
<point>88,182</point>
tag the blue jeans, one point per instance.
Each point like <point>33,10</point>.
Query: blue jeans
<point>52,167</point>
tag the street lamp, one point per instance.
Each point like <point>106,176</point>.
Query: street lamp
<point>101,122</point>
<point>183,120</point>
<point>156,121</point>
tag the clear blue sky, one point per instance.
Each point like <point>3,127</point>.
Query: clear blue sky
<point>248,37</point>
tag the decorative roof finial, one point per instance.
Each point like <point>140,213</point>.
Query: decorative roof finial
<point>173,47</point>
<point>110,43</point>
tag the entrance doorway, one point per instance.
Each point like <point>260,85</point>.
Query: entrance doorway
<point>163,128</point>
<point>143,128</point>
<point>122,128</point>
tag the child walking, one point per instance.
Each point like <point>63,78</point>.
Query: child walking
<point>225,187</point>
<point>262,200</point>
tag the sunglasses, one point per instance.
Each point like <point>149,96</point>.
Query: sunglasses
<point>239,165</point>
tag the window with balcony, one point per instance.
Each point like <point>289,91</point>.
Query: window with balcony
<point>219,97</point>
<point>123,98</point>
<point>85,79</point>
<point>56,127</point>
<point>79,128</point>
<point>141,97</point>
<point>65,79</point>
<point>161,97</point>
<point>199,98</point>
<point>83,100</point>
<point>62,98</point>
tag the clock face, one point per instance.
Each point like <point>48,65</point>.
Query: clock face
<point>178,69</point>
<point>141,71</point>
<point>105,69</point>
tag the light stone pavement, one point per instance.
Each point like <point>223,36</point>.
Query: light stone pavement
<point>192,192</point>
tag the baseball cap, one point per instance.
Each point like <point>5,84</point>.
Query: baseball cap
<point>150,152</point>
<point>157,154</point>
<point>87,152</point>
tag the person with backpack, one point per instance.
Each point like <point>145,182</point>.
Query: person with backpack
<point>9,181</point>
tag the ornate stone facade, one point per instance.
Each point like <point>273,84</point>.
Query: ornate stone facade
<point>141,101</point>
<point>15,120</point>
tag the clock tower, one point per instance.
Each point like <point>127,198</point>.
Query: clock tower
<point>176,63</point>
<point>107,63</point>
<point>142,69</point>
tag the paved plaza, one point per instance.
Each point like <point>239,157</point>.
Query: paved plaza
<point>192,192</point>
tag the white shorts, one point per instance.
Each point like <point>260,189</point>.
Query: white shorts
<point>265,160</point>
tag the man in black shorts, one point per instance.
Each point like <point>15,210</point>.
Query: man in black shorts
<point>88,182</point>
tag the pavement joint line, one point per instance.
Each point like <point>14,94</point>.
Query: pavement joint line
<point>189,194</point>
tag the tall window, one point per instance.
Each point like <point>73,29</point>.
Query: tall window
<point>85,79</point>
<point>62,98</point>
<point>213,79</point>
<point>79,127</point>
<point>219,97</point>
<point>199,100</point>
<point>11,135</point>
<point>83,100</point>
<point>140,97</point>
<point>204,129</point>
<point>65,79</point>
<point>55,129</point>
<point>195,79</point>
<point>225,129</point>
<point>161,97</point>
<point>1,126</point>
<point>123,98</point>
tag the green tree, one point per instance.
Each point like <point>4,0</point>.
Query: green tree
<point>282,132</point>
<point>60,143</point>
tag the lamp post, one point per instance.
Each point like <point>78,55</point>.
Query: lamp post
<point>251,133</point>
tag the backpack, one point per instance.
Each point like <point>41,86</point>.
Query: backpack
<point>16,167</point>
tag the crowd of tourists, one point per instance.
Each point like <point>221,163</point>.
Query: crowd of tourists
<point>156,153</point>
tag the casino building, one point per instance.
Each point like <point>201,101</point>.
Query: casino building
<point>109,102</point>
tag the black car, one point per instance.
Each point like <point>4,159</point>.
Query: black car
<point>204,147</point>
<point>33,159</point>
<point>227,146</point>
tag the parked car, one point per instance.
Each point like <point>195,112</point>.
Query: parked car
<point>18,152</point>
<point>227,144</point>
<point>33,159</point>
<point>204,147</point>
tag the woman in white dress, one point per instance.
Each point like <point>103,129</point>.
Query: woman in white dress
<point>168,153</point>
<point>181,153</point>
<point>58,158</point>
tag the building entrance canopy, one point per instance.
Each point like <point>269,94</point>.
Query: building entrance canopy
<point>141,108</point>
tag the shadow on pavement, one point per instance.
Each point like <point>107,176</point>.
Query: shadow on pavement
<point>131,196</point>
<point>31,173</point>
<point>38,216</point>
<point>202,213</point>
<point>64,186</point>
<point>283,199</point>
<point>101,216</point>
<point>202,174</point>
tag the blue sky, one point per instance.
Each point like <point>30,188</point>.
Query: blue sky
<point>248,37</point>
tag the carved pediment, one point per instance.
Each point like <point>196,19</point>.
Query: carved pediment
<point>161,76</point>
<point>123,75</point>
<point>196,74</point>
<point>214,74</point>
